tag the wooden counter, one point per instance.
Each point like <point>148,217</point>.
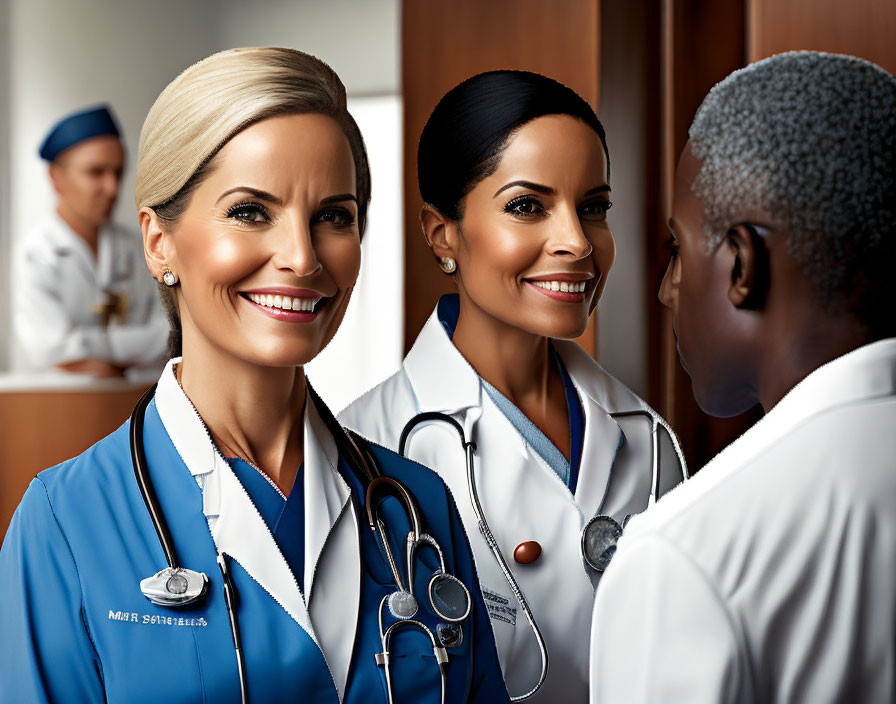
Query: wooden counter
<point>45,420</point>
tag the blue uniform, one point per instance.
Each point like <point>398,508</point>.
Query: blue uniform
<point>76,627</point>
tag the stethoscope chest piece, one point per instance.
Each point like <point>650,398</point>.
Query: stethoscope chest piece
<point>449,597</point>
<point>599,540</point>
<point>402,604</point>
<point>175,587</point>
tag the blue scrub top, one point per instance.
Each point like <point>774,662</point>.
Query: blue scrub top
<point>75,626</point>
<point>567,470</point>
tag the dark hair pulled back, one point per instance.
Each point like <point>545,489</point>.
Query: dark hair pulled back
<point>464,137</point>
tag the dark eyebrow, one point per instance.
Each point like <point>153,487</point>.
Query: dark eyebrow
<point>338,199</point>
<point>261,195</point>
<point>546,190</point>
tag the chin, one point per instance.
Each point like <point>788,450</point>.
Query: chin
<point>279,353</point>
<point>722,403</point>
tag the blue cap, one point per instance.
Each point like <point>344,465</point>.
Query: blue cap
<point>75,128</point>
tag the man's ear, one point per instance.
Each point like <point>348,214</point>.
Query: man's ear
<point>158,247</point>
<point>440,232</point>
<point>750,272</point>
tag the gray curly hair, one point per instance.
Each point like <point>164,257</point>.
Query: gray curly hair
<point>810,139</point>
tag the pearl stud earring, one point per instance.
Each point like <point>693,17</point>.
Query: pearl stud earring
<point>448,265</point>
<point>169,277</point>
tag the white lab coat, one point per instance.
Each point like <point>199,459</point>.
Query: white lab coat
<point>522,498</point>
<point>770,576</point>
<point>59,284</point>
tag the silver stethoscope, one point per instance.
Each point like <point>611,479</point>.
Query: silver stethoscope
<point>448,597</point>
<point>599,536</point>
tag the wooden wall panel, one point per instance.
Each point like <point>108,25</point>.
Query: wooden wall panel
<point>865,28</point>
<point>43,428</point>
<point>702,41</point>
<point>445,42</point>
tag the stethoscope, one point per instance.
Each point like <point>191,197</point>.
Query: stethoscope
<point>599,536</point>
<point>448,597</point>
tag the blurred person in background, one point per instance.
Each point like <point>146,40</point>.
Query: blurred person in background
<point>83,300</point>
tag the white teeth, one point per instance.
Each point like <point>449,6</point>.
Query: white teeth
<point>284,302</point>
<point>564,286</point>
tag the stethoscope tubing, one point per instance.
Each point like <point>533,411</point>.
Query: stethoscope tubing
<point>141,473</point>
<point>469,450</point>
<point>360,460</point>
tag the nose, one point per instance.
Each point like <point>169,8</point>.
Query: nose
<point>567,238</point>
<point>294,248</point>
<point>110,185</point>
<point>669,285</point>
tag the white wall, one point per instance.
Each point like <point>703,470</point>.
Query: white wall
<point>66,55</point>
<point>359,39</point>
<point>4,177</point>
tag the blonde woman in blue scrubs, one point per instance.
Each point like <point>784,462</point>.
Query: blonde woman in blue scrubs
<point>252,189</point>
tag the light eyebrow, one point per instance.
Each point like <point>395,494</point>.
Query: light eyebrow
<point>538,188</point>
<point>258,193</point>
<point>339,199</point>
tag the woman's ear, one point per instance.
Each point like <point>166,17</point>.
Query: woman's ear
<point>158,248</point>
<point>750,272</point>
<point>440,232</point>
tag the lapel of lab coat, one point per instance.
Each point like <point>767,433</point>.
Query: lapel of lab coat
<point>239,530</point>
<point>442,380</point>
<point>603,436</point>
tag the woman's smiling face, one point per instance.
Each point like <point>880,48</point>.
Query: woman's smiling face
<point>534,246</point>
<point>268,249</point>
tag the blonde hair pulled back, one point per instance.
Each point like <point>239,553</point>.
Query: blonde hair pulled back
<point>213,100</point>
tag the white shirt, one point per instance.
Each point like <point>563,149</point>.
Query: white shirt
<point>60,288</point>
<point>523,499</point>
<point>771,575</point>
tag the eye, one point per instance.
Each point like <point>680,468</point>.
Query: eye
<point>339,217</point>
<point>671,245</point>
<point>249,213</point>
<point>524,206</point>
<point>595,209</point>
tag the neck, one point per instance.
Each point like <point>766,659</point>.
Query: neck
<point>517,363</point>
<point>794,353</point>
<point>87,231</point>
<point>257,415</point>
<point>514,361</point>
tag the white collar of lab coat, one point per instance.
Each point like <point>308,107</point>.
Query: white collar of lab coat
<point>237,527</point>
<point>865,373</point>
<point>442,380</point>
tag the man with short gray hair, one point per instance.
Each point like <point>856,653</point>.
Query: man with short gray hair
<point>769,577</point>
